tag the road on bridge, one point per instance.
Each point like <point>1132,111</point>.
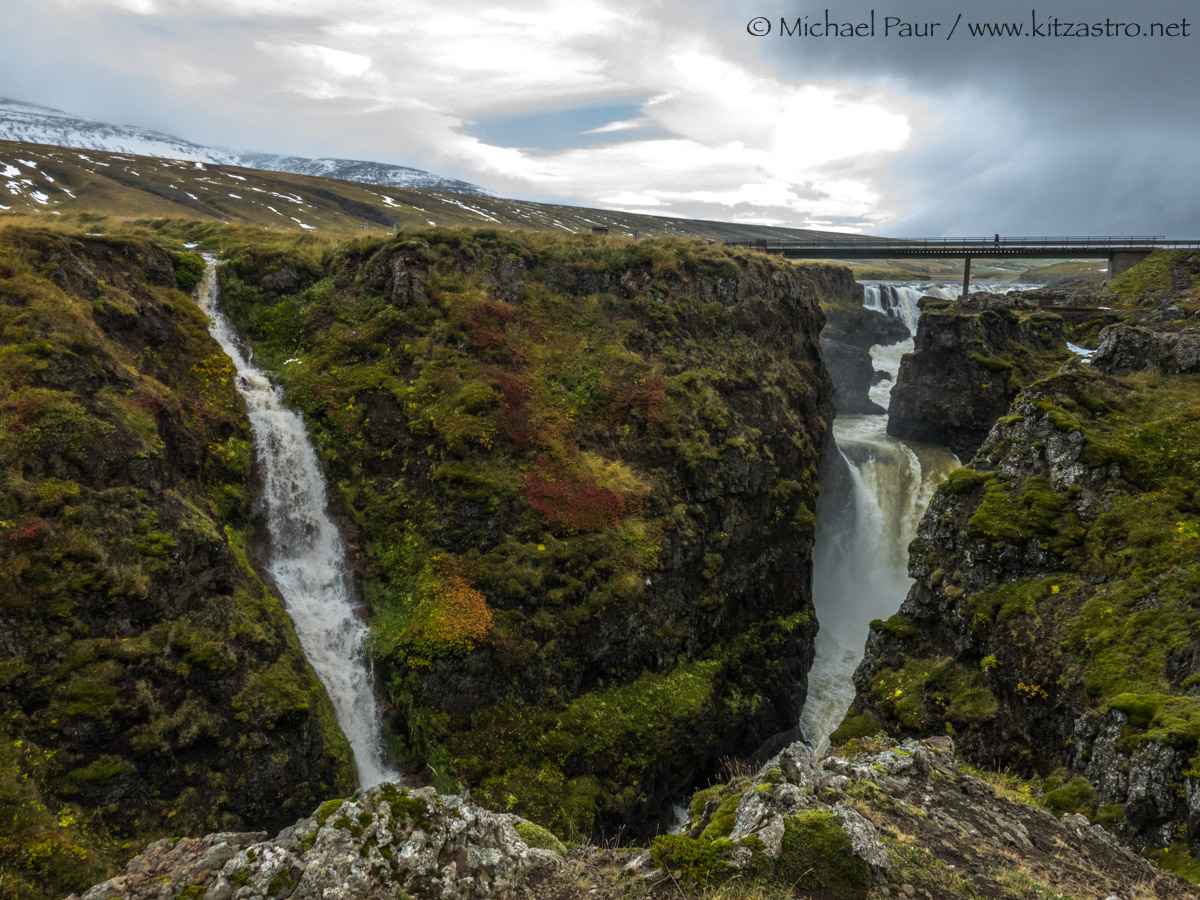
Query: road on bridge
<point>1122,251</point>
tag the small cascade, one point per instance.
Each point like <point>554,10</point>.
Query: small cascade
<point>899,298</point>
<point>306,557</point>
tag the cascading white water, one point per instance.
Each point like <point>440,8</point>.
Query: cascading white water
<point>860,561</point>
<point>899,299</point>
<point>307,558</point>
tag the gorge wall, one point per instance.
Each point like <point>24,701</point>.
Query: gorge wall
<point>150,683</point>
<point>581,477</point>
<point>1052,626</point>
<point>967,367</point>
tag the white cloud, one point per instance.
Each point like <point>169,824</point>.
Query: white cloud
<point>186,75</point>
<point>716,135</point>
<point>623,125</point>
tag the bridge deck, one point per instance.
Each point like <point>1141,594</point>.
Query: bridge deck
<point>1005,247</point>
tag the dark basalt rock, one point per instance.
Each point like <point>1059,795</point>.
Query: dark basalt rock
<point>965,371</point>
<point>849,334</point>
<point>1132,348</point>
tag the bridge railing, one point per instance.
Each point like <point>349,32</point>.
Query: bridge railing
<point>963,244</point>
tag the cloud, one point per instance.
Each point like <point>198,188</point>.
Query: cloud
<point>712,122</point>
<point>623,125</point>
<point>186,75</point>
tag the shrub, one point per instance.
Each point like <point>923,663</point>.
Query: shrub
<point>571,501</point>
<point>189,269</point>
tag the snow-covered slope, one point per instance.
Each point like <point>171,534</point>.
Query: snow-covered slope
<point>358,170</point>
<point>28,122</point>
<point>42,125</point>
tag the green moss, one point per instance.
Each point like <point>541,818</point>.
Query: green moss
<point>963,481</point>
<point>282,883</point>
<point>192,892</point>
<point>722,821</point>
<point>1075,796</point>
<point>1013,517</point>
<point>897,626</point>
<point>328,808</point>
<point>404,807</point>
<point>927,690</point>
<point>855,725</point>
<point>817,856</point>
<point>538,837</point>
<point>992,364</point>
<point>693,860</point>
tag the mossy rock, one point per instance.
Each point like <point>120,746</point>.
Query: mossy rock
<point>538,837</point>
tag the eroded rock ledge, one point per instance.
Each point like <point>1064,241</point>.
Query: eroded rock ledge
<point>879,820</point>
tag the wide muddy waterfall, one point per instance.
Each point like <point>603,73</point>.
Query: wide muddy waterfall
<point>875,488</point>
<point>307,560</point>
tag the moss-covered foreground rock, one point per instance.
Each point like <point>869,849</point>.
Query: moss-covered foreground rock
<point>1054,623</point>
<point>582,475</point>
<point>149,684</point>
<point>880,820</point>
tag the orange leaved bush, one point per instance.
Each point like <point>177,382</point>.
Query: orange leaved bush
<point>451,615</point>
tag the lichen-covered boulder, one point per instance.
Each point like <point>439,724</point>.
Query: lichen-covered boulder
<point>382,843</point>
<point>1132,348</point>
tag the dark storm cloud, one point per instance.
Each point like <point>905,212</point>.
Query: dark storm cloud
<point>1023,134</point>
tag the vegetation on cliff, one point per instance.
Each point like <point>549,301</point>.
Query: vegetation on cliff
<point>1054,624</point>
<point>149,683</point>
<point>582,472</point>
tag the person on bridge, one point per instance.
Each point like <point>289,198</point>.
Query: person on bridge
<point>997,240</point>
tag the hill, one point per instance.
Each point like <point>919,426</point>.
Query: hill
<point>28,122</point>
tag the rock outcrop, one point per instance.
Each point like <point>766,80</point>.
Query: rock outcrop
<point>882,819</point>
<point>966,369</point>
<point>849,334</point>
<point>383,843</point>
<point>1132,348</point>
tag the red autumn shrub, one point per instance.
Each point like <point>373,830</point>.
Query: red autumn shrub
<point>513,416</point>
<point>34,534</point>
<point>570,501</point>
<point>643,400</point>
<point>144,400</point>
<point>485,322</point>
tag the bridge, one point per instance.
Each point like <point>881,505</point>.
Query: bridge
<point>1122,252</point>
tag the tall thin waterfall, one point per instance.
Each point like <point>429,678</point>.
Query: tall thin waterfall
<point>307,558</point>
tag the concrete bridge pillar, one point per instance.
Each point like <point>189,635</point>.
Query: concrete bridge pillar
<point>1123,260</point>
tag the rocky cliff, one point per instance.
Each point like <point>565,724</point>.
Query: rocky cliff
<point>883,819</point>
<point>581,476</point>
<point>850,333</point>
<point>1052,626</point>
<point>149,683</point>
<point>967,366</point>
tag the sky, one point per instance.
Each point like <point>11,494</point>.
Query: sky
<point>740,110</point>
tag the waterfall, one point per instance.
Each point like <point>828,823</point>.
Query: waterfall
<point>899,298</point>
<point>875,488</point>
<point>306,557</point>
